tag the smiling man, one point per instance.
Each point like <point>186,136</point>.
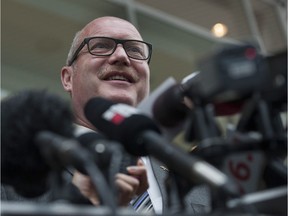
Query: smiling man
<point>108,58</point>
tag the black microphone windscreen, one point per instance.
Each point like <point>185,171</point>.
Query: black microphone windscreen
<point>169,109</point>
<point>23,115</point>
<point>97,144</point>
<point>87,139</point>
<point>103,149</point>
<point>119,122</point>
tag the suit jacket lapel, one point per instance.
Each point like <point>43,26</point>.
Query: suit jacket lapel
<point>197,200</point>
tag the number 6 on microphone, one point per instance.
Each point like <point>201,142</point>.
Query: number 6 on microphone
<point>245,169</point>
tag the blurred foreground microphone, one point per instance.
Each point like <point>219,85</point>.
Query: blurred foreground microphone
<point>23,115</point>
<point>99,146</point>
<point>109,155</point>
<point>226,78</point>
<point>169,109</point>
<point>231,72</point>
<point>140,136</point>
<point>61,152</point>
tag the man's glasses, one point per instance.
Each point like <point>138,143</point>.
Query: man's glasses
<point>105,46</point>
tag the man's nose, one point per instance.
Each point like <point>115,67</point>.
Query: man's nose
<point>119,55</point>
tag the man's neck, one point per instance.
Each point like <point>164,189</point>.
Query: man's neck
<point>85,124</point>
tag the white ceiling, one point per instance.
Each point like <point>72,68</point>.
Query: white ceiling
<point>36,34</point>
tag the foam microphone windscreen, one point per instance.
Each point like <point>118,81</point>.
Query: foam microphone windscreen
<point>104,149</point>
<point>23,115</point>
<point>169,108</point>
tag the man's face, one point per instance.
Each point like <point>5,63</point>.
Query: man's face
<point>116,77</point>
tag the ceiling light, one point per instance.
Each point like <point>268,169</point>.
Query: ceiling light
<point>219,30</point>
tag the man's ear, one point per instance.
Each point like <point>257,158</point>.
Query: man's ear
<point>66,78</point>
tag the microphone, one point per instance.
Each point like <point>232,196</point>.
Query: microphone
<point>141,136</point>
<point>38,135</point>
<point>108,154</point>
<point>23,115</point>
<point>99,146</point>
<point>169,109</point>
<point>146,107</point>
<point>60,150</point>
<point>226,78</point>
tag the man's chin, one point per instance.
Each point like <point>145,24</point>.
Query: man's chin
<point>122,99</point>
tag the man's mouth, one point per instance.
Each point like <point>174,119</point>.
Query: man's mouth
<point>119,77</point>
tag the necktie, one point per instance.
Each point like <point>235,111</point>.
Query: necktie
<point>143,203</point>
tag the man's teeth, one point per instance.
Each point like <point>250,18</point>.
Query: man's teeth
<point>117,77</point>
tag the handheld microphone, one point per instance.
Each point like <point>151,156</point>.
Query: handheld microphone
<point>23,115</point>
<point>141,136</point>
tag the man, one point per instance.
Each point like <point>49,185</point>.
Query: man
<point>108,58</point>
<point>101,67</point>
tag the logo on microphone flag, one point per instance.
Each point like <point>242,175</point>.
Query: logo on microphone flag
<point>117,113</point>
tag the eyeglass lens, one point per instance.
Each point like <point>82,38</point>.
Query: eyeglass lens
<point>106,46</point>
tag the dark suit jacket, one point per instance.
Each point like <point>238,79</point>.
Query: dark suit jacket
<point>196,201</point>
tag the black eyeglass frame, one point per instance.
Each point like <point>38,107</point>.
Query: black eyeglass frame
<point>117,41</point>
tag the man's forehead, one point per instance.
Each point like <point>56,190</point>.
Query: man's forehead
<point>113,28</point>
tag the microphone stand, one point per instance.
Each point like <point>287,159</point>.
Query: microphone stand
<point>203,129</point>
<point>202,125</point>
<point>260,115</point>
<point>177,188</point>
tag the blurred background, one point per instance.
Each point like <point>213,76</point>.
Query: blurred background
<point>36,34</point>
